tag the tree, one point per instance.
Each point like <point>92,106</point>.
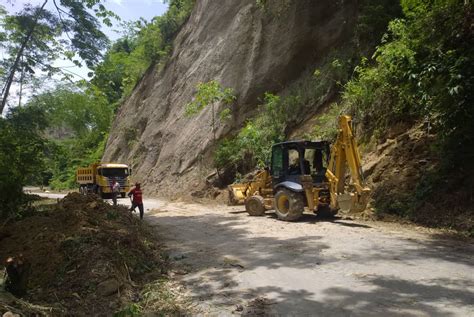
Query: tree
<point>144,44</point>
<point>21,155</point>
<point>78,118</point>
<point>37,36</point>
<point>209,94</point>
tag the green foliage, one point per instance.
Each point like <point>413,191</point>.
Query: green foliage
<point>38,35</point>
<point>78,122</point>
<point>130,310</point>
<point>144,44</point>
<point>261,3</point>
<point>327,125</point>
<point>21,156</point>
<point>423,69</point>
<point>252,146</point>
<point>374,17</point>
<point>209,94</point>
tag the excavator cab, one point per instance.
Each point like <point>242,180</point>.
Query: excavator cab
<point>298,168</point>
<point>292,159</point>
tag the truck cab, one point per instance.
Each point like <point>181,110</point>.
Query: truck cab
<point>98,178</point>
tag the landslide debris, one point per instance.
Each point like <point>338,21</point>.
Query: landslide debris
<point>86,258</point>
<point>401,172</point>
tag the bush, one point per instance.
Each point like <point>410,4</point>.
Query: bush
<point>423,69</point>
<point>21,156</point>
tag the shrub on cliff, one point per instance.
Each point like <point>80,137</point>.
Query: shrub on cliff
<point>423,69</point>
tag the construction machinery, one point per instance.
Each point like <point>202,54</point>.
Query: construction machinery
<point>98,178</point>
<point>308,174</point>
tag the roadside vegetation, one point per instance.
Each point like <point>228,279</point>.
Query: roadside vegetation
<point>81,255</point>
<point>85,256</point>
<point>67,126</point>
<point>423,72</point>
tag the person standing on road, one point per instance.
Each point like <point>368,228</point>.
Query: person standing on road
<point>137,200</point>
<point>115,191</point>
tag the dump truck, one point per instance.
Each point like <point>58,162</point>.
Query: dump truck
<point>98,177</point>
<point>312,175</point>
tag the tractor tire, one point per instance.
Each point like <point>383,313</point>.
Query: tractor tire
<point>289,205</point>
<point>255,205</point>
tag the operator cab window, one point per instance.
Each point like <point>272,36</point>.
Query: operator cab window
<point>277,161</point>
<point>317,162</point>
<point>293,162</point>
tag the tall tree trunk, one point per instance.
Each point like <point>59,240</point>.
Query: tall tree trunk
<point>214,137</point>
<point>22,76</point>
<point>11,76</point>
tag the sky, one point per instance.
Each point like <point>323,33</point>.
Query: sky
<point>128,10</point>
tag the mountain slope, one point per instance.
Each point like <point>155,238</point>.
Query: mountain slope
<point>244,46</point>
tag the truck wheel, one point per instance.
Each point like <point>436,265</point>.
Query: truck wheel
<point>255,205</point>
<point>289,205</point>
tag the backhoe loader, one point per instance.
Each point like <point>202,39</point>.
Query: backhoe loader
<point>308,174</point>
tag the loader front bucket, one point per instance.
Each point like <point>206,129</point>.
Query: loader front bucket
<point>237,194</point>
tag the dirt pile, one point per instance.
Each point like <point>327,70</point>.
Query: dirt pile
<point>86,256</point>
<point>403,172</point>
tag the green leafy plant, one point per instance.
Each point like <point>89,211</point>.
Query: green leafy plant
<point>21,156</point>
<point>209,95</point>
<point>38,35</point>
<point>130,310</point>
<point>251,147</point>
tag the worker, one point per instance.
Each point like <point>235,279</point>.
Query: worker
<point>137,201</point>
<point>115,188</point>
<point>294,167</point>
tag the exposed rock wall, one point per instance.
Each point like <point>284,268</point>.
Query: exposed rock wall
<point>242,46</point>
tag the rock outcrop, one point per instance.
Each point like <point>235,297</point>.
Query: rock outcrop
<point>241,45</point>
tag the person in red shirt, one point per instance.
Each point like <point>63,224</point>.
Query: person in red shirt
<point>137,200</point>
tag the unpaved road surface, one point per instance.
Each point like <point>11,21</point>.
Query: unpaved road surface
<point>313,267</point>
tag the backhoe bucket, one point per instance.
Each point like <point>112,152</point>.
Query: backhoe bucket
<point>344,201</point>
<point>353,203</point>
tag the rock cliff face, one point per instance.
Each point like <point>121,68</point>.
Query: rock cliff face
<point>241,45</point>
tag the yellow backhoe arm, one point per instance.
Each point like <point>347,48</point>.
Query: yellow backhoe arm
<point>345,153</point>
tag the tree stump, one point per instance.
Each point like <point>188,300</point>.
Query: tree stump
<point>17,273</point>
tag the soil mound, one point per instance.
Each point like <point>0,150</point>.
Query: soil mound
<point>86,257</point>
<point>404,174</point>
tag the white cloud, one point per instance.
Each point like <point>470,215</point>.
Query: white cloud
<point>119,2</point>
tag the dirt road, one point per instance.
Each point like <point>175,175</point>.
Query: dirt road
<point>312,267</point>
